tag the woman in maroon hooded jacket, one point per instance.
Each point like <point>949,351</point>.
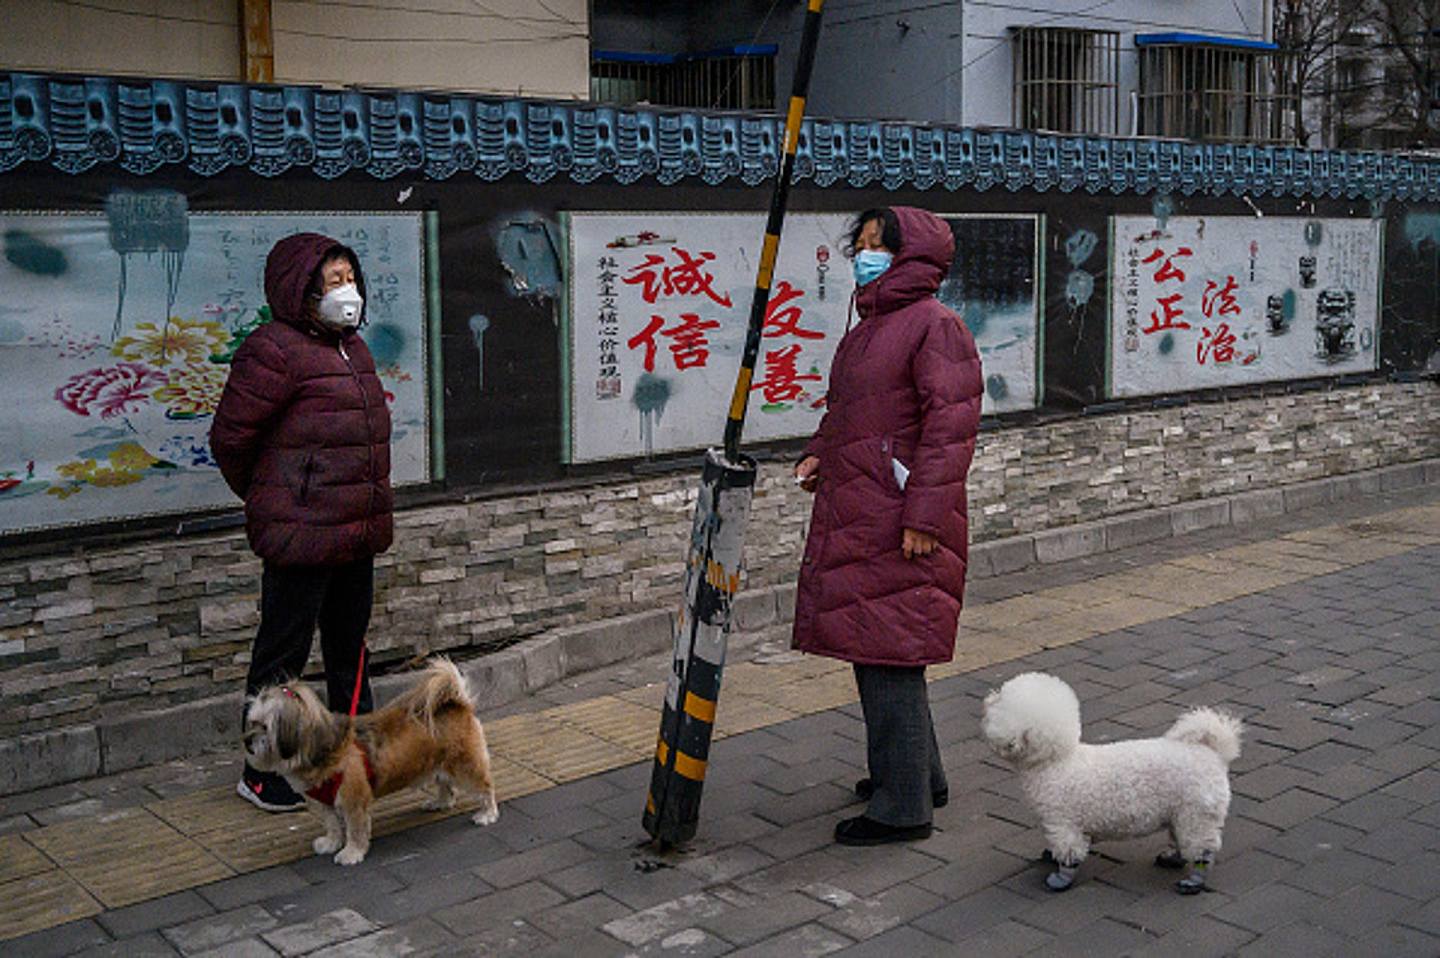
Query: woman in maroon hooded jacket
<point>302,434</point>
<point>883,575</point>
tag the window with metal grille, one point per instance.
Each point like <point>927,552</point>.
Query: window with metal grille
<point>1213,88</point>
<point>1066,80</point>
<point>736,78</point>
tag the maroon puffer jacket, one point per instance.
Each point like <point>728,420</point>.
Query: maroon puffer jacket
<point>905,383</point>
<point>302,433</point>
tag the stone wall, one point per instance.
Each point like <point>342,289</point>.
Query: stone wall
<point>95,634</point>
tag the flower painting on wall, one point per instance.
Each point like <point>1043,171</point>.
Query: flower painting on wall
<point>112,363</point>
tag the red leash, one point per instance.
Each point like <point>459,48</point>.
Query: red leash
<point>359,679</point>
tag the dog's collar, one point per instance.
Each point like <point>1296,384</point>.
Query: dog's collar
<point>325,792</point>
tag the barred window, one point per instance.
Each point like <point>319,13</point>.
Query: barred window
<point>1066,80</point>
<point>1212,88</point>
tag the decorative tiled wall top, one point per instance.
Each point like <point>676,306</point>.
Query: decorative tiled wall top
<point>143,126</point>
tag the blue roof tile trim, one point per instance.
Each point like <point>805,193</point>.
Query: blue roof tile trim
<point>144,126</point>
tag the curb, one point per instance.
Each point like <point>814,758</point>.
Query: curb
<point>146,738</point>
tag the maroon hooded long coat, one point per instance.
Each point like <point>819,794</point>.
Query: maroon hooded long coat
<point>302,433</point>
<point>905,384</point>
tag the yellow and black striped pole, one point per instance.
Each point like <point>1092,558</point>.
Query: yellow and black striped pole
<point>717,537</point>
<point>740,400</point>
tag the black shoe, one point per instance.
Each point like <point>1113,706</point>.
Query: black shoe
<point>268,791</point>
<point>864,831</point>
<point>865,788</point>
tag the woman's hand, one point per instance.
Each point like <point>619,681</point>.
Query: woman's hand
<point>917,543</point>
<point>807,473</point>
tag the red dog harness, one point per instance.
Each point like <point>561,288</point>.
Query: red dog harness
<point>325,792</point>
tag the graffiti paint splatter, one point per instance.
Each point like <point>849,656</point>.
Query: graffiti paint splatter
<point>530,257</point>
<point>651,396</point>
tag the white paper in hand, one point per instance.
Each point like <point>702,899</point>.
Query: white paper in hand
<point>902,474</point>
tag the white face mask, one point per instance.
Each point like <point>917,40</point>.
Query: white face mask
<point>340,308</point>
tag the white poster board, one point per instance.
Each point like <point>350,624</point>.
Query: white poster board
<point>658,305</point>
<point>1201,302</point>
<point>115,335</point>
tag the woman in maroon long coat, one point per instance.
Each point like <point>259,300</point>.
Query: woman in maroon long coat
<point>883,576</point>
<point>302,434</point>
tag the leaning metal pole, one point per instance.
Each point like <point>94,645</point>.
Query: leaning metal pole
<point>717,538</point>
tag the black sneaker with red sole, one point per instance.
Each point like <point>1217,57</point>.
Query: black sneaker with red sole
<point>268,791</point>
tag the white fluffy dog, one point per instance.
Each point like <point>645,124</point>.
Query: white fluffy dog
<point>1085,793</point>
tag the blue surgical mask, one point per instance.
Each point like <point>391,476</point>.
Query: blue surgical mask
<point>869,264</point>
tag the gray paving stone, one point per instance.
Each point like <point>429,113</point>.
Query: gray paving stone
<point>63,939</point>
<point>1289,808</point>
<point>871,873</point>
<point>1067,914</point>
<point>154,914</point>
<point>246,889</point>
<point>1269,781</point>
<point>1349,782</point>
<point>1326,756</point>
<point>1370,812</point>
<point>1297,940</point>
<point>725,864</point>
<point>865,917</point>
<point>658,920</point>
<point>533,863</point>
<point>765,919</point>
<point>1201,936</point>
<point>422,897</point>
<point>149,945</point>
<point>210,932</point>
<point>807,941</point>
<point>476,915</point>
<point>1267,907</point>
<point>573,918</point>
<point>1357,911</point>
<point>1103,937</point>
<point>907,941</point>
<point>818,866</point>
<point>312,901</point>
<point>423,936</point>
<point>341,925</point>
<point>246,948</point>
<point>1398,841</point>
<point>1394,941</point>
<point>973,914</point>
<point>1417,878</point>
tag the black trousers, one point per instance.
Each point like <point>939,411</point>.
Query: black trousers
<point>900,746</point>
<point>293,601</point>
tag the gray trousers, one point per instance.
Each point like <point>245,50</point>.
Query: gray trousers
<point>900,744</point>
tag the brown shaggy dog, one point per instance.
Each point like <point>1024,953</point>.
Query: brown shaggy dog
<point>343,764</point>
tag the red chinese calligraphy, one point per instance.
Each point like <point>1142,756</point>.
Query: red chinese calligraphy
<point>1168,270</point>
<point>1170,319</point>
<point>1221,297</point>
<point>782,315</point>
<point>782,380</point>
<point>1218,345</point>
<point>689,347</point>
<point>686,278</point>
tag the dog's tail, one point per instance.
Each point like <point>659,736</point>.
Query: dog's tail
<point>442,686</point>
<point>1217,731</point>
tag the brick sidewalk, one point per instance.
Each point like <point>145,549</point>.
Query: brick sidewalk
<point>1321,628</point>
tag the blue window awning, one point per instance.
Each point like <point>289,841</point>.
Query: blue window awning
<point>1201,40</point>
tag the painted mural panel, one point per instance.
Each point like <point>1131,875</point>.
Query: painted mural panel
<point>116,333</point>
<point>1201,302</point>
<point>657,312</point>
